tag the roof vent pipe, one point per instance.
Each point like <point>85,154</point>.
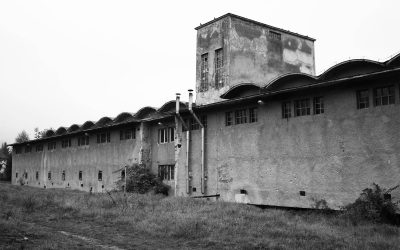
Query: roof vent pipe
<point>190,98</point>
<point>177,102</point>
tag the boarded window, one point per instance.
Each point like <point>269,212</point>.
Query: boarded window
<point>384,96</point>
<point>219,64</point>
<point>253,116</point>
<point>240,116</point>
<point>302,107</point>
<point>204,73</point>
<point>318,103</point>
<point>166,172</point>
<point>363,99</point>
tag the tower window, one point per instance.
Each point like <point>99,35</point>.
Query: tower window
<point>384,95</point>
<point>362,99</point>
<point>318,105</point>
<point>219,64</point>
<point>302,107</point>
<point>204,73</point>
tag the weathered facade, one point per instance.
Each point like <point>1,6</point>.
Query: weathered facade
<point>264,130</point>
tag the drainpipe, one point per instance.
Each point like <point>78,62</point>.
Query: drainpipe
<point>203,184</point>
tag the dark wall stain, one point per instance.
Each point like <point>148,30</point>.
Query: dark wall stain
<point>275,54</point>
<point>305,48</point>
<point>247,31</point>
<point>291,43</point>
<point>203,43</point>
<point>215,35</point>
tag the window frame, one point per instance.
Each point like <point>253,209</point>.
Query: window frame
<point>229,118</point>
<point>253,115</point>
<point>218,68</point>
<point>204,72</point>
<point>100,175</point>
<point>166,172</point>
<point>300,109</point>
<point>362,101</point>
<point>318,105</point>
<point>240,116</point>
<point>391,97</point>
<point>80,175</point>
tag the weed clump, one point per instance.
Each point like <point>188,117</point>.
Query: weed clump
<point>374,204</point>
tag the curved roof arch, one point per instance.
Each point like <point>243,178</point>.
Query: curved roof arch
<point>103,121</point>
<point>123,117</point>
<point>290,80</point>
<point>61,131</point>
<point>49,132</point>
<point>145,111</point>
<point>87,125</point>
<point>73,128</point>
<point>394,61</point>
<point>241,90</point>
<point>171,106</point>
<point>351,68</point>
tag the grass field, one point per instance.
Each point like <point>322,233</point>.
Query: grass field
<point>32,218</point>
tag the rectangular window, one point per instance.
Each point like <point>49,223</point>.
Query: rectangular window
<point>49,175</point>
<point>228,118</point>
<point>318,104</point>
<point>363,99</point>
<point>80,175</point>
<point>28,149</point>
<point>37,175</point>
<point>384,96</point>
<point>127,134</point>
<point>100,175</point>
<point>63,175</point>
<point>219,64</point>
<point>51,145</point>
<point>253,116</point>
<point>286,110</point>
<point>18,150</point>
<point>66,143</point>
<point>39,148</point>
<point>83,140</point>
<point>275,35</point>
<point>204,73</point>
<point>103,137</point>
<point>171,134</point>
<point>162,135</point>
<point>240,116</point>
<point>302,107</point>
<point>166,172</point>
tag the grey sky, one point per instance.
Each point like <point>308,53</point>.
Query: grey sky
<point>65,62</point>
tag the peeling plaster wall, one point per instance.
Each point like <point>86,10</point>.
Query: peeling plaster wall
<point>332,156</point>
<point>109,158</point>
<point>250,55</point>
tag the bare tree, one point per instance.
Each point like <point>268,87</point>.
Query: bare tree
<point>22,137</point>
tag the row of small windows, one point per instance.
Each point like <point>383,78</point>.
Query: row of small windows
<point>381,96</point>
<point>82,141</point>
<point>63,175</point>
<point>241,116</point>
<point>302,107</point>
<point>218,70</point>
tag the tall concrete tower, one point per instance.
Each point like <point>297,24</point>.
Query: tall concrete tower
<point>233,50</point>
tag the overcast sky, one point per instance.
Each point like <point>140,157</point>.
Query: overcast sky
<point>66,62</point>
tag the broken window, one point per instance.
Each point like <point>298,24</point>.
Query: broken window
<point>166,172</point>
<point>49,175</point>
<point>66,143</point>
<point>39,148</point>
<point>204,73</point>
<point>28,149</point>
<point>127,134</point>
<point>80,175</point>
<point>275,35</point>
<point>83,140</point>
<point>318,105</point>
<point>253,115</point>
<point>286,110</point>
<point>384,95</point>
<point>63,175</point>
<point>51,145</point>
<point>363,99</point>
<point>302,107</point>
<point>100,175</point>
<point>228,118</point>
<point>219,64</point>
<point>103,137</point>
<point>240,116</point>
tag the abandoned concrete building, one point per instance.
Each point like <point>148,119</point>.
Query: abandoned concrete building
<point>264,129</point>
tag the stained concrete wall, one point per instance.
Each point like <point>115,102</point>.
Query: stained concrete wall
<point>110,158</point>
<point>331,156</point>
<point>250,55</point>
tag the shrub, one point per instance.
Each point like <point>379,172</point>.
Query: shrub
<point>140,180</point>
<point>373,205</point>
